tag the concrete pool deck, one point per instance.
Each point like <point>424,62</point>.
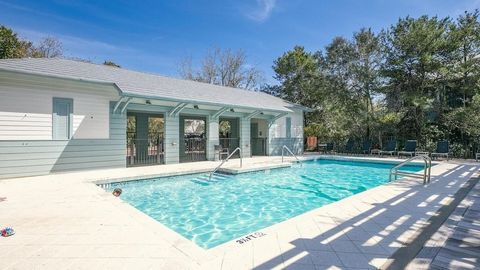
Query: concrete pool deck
<point>65,221</point>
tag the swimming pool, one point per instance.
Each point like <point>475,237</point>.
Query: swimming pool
<point>210,213</point>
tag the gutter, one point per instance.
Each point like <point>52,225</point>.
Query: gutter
<point>126,94</point>
<point>39,74</point>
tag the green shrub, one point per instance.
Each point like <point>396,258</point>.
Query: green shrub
<point>430,146</point>
<point>458,150</point>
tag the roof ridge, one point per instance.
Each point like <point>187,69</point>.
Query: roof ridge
<point>87,62</point>
<point>145,83</point>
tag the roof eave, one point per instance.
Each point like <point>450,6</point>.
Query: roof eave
<point>70,78</point>
<point>134,95</point>
<point>127,94</point>
<point>301,107</point>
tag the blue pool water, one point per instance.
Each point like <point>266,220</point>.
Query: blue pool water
<point>213,212</point>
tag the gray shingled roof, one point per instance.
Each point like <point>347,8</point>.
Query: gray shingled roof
<point>133,83</point>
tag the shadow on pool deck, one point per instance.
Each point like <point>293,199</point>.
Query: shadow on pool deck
<point>396,228</point>
<point>457,242</point>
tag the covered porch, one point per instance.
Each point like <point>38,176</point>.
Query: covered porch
<point>168,132</point>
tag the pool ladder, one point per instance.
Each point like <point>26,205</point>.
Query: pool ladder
<point>394,172</point>
<point>225,160</point>
<point>284,147</point>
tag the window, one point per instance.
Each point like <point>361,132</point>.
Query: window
<point>225,129</point>
<point>194,128</point>
<point>62,118</point>
<point>288,127</point>
<point>155,127</point>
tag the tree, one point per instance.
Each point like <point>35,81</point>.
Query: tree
<point>414,68</point>
<point>111,63</point>
<point>463,72</point>
<point>11,46</point>
<point>49,47</point>
<point>185,69</point>
<point>224,128</point>
<point>298,71</point>
<point>366,70</point>
<point>418,79</point>
<point>338,66</point>
<point>223,67</point>
<point>274,90</point>
<point>323,83</point>
<point>464,60</point>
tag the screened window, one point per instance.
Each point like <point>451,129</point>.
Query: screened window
<point>194,128</point>
<point>155,125</point>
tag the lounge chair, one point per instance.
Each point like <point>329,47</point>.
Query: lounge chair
<point>330,148</point>
<point>477,155</point>
<point>442,149</point>
<point>409,149</point>
<point>222,151</point>
<point>349,147</point>
<point>390,149</point>
<point>367,146</point>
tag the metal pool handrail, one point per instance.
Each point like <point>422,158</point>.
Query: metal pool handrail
<point>426,169</point>
<point>225,160</point>
<point>289,151</point>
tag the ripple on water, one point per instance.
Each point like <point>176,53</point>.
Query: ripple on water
<point>213,214</point>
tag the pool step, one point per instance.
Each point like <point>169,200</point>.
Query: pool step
<point>204,180</point>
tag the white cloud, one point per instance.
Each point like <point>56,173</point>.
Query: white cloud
<point>263,10</point>
<point>77,46</point>
<point>99,51</point>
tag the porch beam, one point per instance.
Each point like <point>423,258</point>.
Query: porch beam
<point>172,111</point>
<point>180,109</point>
<point>126,104</point>
<point>276,117</point>
<point>250,116</point>
<point>179,106</point>
<point>220,112</point>
<point>120,100</point>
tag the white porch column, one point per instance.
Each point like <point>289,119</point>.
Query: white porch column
<point>212,137</point>
<point>171,142</point>
<point>245,137</point>
<point>272,134</point>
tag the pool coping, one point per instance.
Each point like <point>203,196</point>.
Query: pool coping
<point>404,182</point>
<point>270,251</point>
<point>254,168</point>
<point>219,248</point>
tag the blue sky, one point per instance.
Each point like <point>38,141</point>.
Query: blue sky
<point>154,36</point>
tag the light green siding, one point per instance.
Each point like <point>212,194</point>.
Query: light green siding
<point>212,137</point>
<point>294,144</point>
<point>172,142</point>
<point>286,131</point>
<point>288,127</point>
<point>20,158</point>
<point>245,137</point>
